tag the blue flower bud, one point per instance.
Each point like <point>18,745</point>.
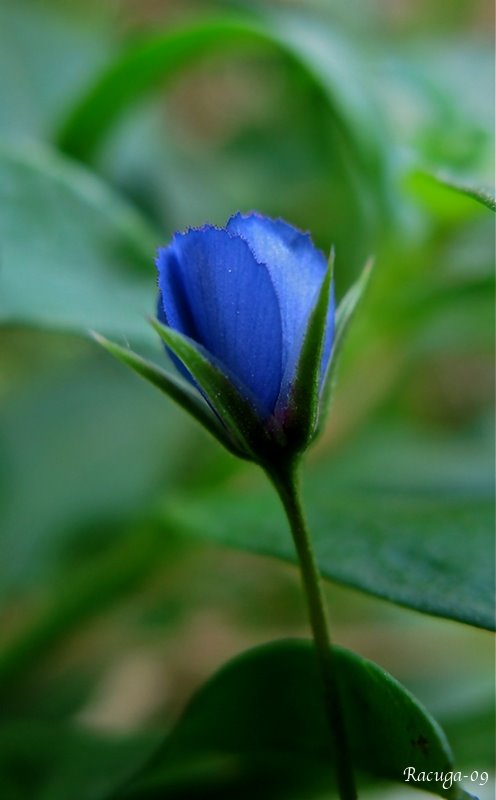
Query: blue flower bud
<point>245,294</point>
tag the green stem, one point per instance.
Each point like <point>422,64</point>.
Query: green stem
<point>286,484</point>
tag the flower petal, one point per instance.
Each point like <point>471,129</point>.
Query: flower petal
<point>215,291</point>
<point>297,269</point>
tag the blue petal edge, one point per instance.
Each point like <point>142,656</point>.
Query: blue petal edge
<point>214,290</point>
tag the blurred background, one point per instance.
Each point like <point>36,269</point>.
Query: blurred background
<point>121,122</point>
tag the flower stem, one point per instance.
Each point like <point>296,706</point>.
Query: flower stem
<point>286,484</point>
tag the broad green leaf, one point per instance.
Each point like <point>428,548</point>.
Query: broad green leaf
<point>199,776</point>
<point>405,518</point>
<point>173,387</point>
<point>74,255</point>
<point>266,704</point>
<point>237,413</point>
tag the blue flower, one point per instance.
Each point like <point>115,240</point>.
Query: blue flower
<point>247,314</point>
<point>245,294</point>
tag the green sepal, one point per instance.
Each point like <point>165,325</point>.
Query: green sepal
<point>236,412</point>
<point>344,314</point>
<point>303,407</point>
<point>176,389</point>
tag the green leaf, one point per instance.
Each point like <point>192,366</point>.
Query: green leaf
<point>54,761</point>
<point>478,194</point>
<point>325,59</point>
<point>83,445</point>
<point>304,399</point>
<point>74,255</point>
<point>315,55</point>
<point>404,517</point>
<point>35,39</point>
<point>266,705</point>
<point>236,412</point>
<point>80,594</point>
<point>173,387</point>
<point>199,776</point>
<point>140,69</point>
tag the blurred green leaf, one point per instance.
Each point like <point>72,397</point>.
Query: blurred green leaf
<point>54,762</point>
<point>73,253</point>
<point>266,703</point>
<point>178,390</point>
<point>94,446</point>
<point>200,776</point>
<point>340,132</point>
<point>407,519</point>
<point>35,39</point>
<point>478,194</point>
<point>138,71</point>
<point>434,89</point>
<point>96,584</point>
<point>472,732</point>
<point>324,57</point>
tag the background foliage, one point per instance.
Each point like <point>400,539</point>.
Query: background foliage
<point>126,575</point>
